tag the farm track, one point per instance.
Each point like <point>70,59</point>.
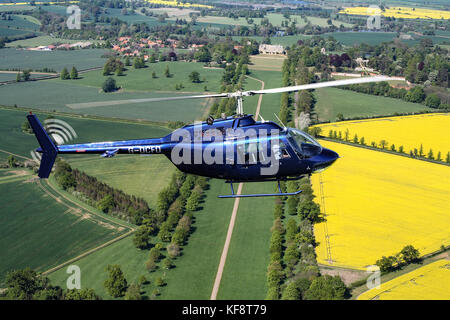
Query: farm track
<point>72,205</point>
<point>226,246</point>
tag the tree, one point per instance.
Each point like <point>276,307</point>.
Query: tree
<point>81,294</point>
<point>150,265</point>
<point>409,254</point>
<point>326,288</point>
<point>26,284</point>
<point>194,77</point>
<point>106,203</point>
<point>291,292</point>
<point>202,55</point>
<point>74,73</point>
<point>133,292</point>
<point>173,250</point>
<point>155,254</point>
<point>383,143</point>
<point>167,263</point>
<point>416,95</point>
<point>154,75</point>
<point>160,282</point>
<point>127,61</point>
<point>109,85</point>
<point>141,239</point>
<point>11,161</point>
<point>119,70</point>
<point>386,263</point>
<point>272,293</point>
<point>167,72</point>
<point>115,284</point>
<point>26,75</point>
<point>18,77</point>
<point>433,101</point>
<point>64,74</point>
<point>430,155</point>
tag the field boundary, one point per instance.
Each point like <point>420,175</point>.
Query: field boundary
<point>83,206</point>
<point>383,150</point>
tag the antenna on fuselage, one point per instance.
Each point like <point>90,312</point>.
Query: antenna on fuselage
<point>284,127</point>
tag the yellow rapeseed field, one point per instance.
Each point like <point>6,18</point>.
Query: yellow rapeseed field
<point>377,203</point>
<point>400,12</point>
<point>430,130</point>
<point>174,3</point>
<point>429,282</point>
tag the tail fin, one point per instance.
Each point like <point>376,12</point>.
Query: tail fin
<point>49,150</point>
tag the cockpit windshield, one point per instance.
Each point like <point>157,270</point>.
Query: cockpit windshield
<point>303,143</point>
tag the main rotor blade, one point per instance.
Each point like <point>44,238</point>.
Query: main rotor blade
<point>320,85</point>
<point>127,101</point>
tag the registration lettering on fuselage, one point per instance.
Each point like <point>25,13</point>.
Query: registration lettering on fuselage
<point>144,149</point>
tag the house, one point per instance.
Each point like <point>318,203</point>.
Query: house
<point>271,49</point>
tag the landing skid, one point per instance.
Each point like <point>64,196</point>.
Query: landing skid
<point>280,193</point>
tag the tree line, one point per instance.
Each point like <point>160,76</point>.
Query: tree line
<point>293,273</point>
<point>27,284</point>
<point>418,153</point>
<point>416,94</point>
<point>100,195</point>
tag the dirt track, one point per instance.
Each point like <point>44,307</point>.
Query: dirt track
<point>226,246</point>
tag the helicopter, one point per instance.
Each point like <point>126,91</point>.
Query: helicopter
<point>235,148</point>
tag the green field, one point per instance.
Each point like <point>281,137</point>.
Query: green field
<point>39,232</point>
<point>371,38</point>
<point>142,176</point>
<point>141,79</point>
<point>244,275</point>
<point>137,84</point>
<point>274,18</point>
<point>20,22</point>
<point>332,101</point>
<point>86,129</point>
<point>190,279</point>
<point>23,59</point>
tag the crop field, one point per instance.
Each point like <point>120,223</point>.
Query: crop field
<point>36,95</point>
<point>50,230</point>
<point>377,203</point>
<point>267,62</point>
<point>142,176</point>
<point>189,279</point>
<point>41,41</point>
<point>356,38</point>
<point>429,130</point>
<point>274,18</point>
<point>131,18</point>
<point>400,12</point>
<point>21,22</point>
<point>332,101</point>
<point>87,130</point>
<point>23,59</point>
<point>430,282</point>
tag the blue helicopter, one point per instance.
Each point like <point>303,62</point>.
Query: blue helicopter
<point>237,148</point>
